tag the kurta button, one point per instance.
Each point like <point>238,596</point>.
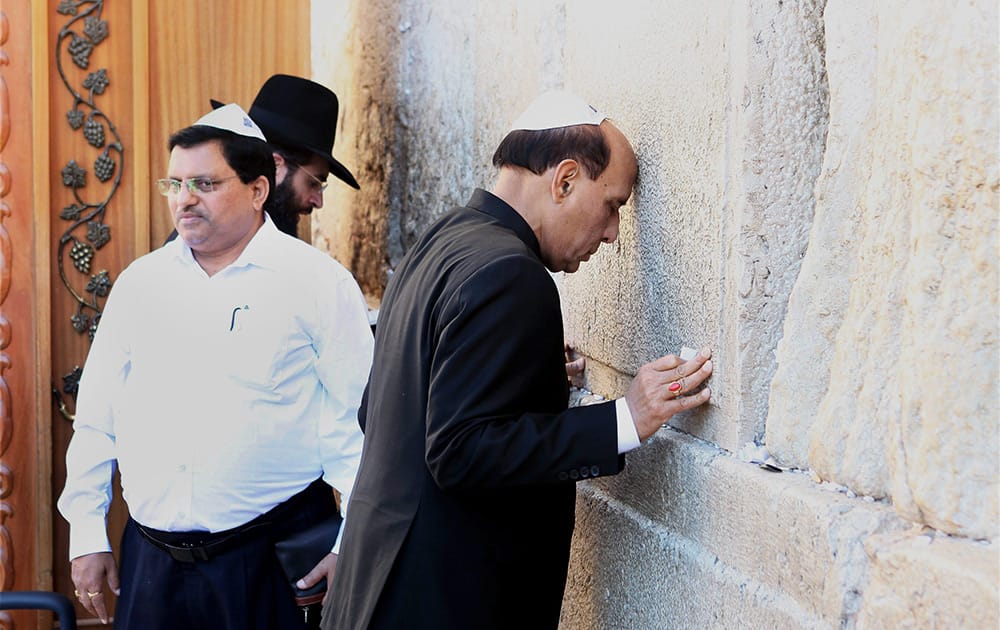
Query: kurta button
<point>563,476</point>
<point>595,471</point>
<point>574,474</point>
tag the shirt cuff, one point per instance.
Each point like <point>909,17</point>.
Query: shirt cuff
<point>628,437</point>
<point>86,536</point>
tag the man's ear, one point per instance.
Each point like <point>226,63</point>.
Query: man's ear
<point>280,165</point>
<point>564,178</point>
<point>260,188</point>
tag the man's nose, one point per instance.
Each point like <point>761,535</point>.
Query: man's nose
<point>611,232</point>
<point>316,199</point>
<point>184,196</point>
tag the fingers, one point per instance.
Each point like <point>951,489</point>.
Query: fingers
<point>687,381</point>
<point>575,365</point>
<point>89,573</point>
<point>575,368</point>
<point>324,569</point>
<point>93,602</point>
<point>686,368</point>
<point>665,387</point>
<point>112,572</point>
<point>698,398</point>
<point>670,368</point>
<point>97,605</point>
<point>673,367</point>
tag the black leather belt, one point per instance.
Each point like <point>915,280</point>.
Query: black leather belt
<point>204,550</point>
<point>203,546</point>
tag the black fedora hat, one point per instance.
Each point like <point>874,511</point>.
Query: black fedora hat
<point>302,114</point>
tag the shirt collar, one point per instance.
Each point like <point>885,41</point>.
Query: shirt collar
<point>260,251</point>
<point>490,204</point>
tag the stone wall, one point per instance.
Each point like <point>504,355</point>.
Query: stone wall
<point>817,201</point>
<point>899,284</point>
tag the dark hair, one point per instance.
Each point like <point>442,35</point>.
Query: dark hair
<point>538,151</point>
<point>249,157</point>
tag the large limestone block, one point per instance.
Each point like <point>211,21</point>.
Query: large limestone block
<point>818,302</point>
<point>729,134</point>
<point>656,289</point>
<point>775,533</point>
<point>643,576</point>
<point>931,581</point>
<point>709,541</point>
<point>906,407</point>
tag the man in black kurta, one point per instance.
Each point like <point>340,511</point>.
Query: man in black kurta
<point>463,509</point>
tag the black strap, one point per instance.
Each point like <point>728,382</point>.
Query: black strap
<point>307,506</point>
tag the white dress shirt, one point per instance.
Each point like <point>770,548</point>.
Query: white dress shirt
<point>628,435</point>
<point>218,397</point>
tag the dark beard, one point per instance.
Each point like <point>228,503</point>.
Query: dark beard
<point>284,210</point>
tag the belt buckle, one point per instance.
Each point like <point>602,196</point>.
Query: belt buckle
<point>188,554</point>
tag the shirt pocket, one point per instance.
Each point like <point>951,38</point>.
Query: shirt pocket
<point>253,348</point>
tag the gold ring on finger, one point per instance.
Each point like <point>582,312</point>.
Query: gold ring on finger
<point>93,595</point>
<point>77,593</point>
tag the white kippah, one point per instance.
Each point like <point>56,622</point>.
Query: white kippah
<point>557,109</point>
<point>232,118</point>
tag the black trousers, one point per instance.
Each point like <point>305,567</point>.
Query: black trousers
<point>241,589</point>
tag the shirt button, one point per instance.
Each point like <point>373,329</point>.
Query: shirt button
<point>574,474</point>
<point>595,471</point>
<point>584,472</point>
<point>563,476</point>
<point>182,467</point>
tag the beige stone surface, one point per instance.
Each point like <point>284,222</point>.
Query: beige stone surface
<point>356,51</point>
<point>819,300</point>
<point>899,285</point>
<point>817,201</point>
<point>931,581</point>
<point>708,541</point>
<point>711,244</point>
<point>662,581</point>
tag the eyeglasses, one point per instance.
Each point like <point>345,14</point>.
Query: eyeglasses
<point>195,185</point>
<point>319,182</point>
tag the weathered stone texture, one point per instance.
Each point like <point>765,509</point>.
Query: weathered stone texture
<point>772,532</point>
<point>710,248</point>
<point>931,581</point>
<point>356,49</point>
<point>823,173</point>
<point>818,301</point>
<point>899,285</point>
<point>689,536</point>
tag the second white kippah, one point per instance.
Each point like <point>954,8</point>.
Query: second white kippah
<point>232,118</point>
<point>555,109</point>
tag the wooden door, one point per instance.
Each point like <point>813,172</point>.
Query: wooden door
<point>89,92</point>
<point>25,439</point>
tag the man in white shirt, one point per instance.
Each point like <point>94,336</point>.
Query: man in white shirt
<point>223,383</point>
